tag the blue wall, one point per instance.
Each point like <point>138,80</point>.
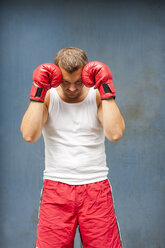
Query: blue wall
<point>128,36</point>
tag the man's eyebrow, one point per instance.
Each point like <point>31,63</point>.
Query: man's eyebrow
<point>65,80</point>
<point>80,79</point>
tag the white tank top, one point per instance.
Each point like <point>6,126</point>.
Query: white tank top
<point>74,141</point>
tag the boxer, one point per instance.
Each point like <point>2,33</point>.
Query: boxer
<point>72,103</point>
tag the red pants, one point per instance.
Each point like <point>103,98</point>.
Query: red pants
<point>64,206</point>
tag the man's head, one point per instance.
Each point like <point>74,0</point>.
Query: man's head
<point>71,61</point>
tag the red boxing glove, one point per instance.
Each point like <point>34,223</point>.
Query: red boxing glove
<point>98,74</point>
<point>45,76</point>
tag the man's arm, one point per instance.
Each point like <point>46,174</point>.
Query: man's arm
<point>45,76</point>
<point>110,118</point>
<point>98,74</point>
<point>34,119</point>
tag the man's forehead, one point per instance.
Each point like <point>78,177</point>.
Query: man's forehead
<point>71,77</point>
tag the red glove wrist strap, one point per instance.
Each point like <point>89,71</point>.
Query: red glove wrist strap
<point>37,94</point>
<point>107,91</point>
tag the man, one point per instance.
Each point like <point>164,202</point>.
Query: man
<point>74,116</point>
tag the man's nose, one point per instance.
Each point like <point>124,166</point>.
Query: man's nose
<point>72,87</point>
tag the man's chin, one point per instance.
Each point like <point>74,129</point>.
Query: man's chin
<point>72,95</point>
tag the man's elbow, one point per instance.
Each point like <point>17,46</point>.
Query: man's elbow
<point>28,138</point>
<point>115,136</point>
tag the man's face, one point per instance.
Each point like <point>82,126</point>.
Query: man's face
<point>71,83</point>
